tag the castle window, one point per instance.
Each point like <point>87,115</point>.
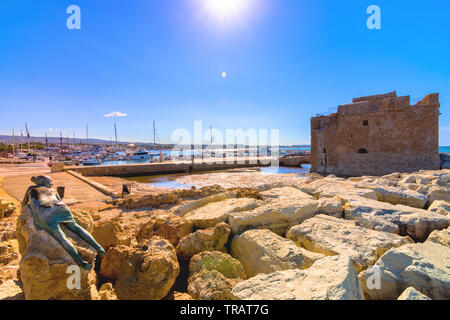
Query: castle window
<point>362,151</point>
<point>324,150</point>
<point>365,122</point>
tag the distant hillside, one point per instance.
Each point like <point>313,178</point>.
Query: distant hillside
<point>56,140</point>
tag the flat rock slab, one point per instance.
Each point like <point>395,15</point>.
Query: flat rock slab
<point>426,267</point>
<point>213,213</point>
<point>399,219</point>
<point>330,278</point>
<point>333,187</point>
<point>196,204</point>
<point>262,251</point>
<point>332,236</point>
<point>401,196</point>
<point>276,216</point>
<point>285,193</point>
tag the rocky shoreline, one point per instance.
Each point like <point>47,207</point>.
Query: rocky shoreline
<point>280,237</point>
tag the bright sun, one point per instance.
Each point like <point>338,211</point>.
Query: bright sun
<point>225,8</point>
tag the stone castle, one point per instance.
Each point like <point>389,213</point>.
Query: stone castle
<point>377,135</point>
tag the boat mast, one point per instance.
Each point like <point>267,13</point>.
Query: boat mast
<point>115,132</point>
<point>154,135</point>
<point>28,135</point>
<point>210,133</point>
<point>21,135</point>
<point>13,148</point>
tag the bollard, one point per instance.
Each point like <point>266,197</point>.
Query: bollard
<point>126,189</point>
<point>61,191</point>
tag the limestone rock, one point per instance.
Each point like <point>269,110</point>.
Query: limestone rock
<point>330,278</point>
<point>179,296</point>
<point>57,167</point>
<point>8,252</point>
<point>331,207</point>
<point>213,213</point>
<point>332,236</point>
<point>441,237</point>
<point>11,290</point>
<point>166,225</point>
<point>276,216</point>
<point>399,219</point>
<point>311,187</point>
<point>330,188</point>
<point>195,204</point>
<point>440,206</point>
<point>125,227</point>
<point>6,209</point>
<point>84,219</point>
<point>422,266</point>
<point>285,193</point>
<point>438,193</point>
<point>412,294</point>
<point>219,261</point>
<point>424,190</point>
<point>262,251</point>
<point>211,285</point>
<point>111,266</point>
<point>211,239</point>
<point>107,292</point>
<point>406,197</point>
<point>213,275</point>
<point>8,229</point>
<point>148,272</point>
<point>112,232</point>
<point>46,268</point>
<point>395,176</point>
<point>408,179</point>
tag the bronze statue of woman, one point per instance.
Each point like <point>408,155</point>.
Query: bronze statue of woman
<point>49,212</point>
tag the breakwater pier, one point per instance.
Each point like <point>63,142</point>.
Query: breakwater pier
<point>170,167</point>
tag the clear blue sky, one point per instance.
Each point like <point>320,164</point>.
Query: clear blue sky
<point>162,60</point>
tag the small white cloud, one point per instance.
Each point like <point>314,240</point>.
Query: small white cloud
<point>115,114</point>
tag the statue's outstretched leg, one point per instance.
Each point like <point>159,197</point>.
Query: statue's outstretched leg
<point>57,233</point>
<point>83,234</point>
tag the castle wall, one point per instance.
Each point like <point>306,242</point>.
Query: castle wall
<point>395,137</point>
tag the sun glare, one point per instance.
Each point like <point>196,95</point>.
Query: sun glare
<point>225,8</point>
